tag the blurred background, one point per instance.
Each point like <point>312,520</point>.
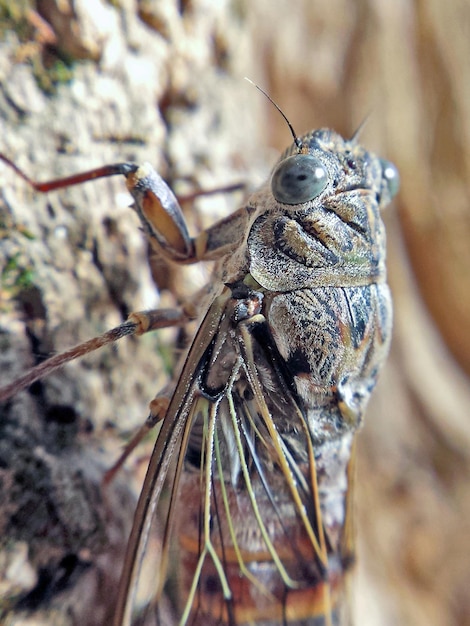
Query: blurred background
<point>88,82</point>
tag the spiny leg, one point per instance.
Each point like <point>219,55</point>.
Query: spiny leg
<point>137,324</point>
<point>159,211</point>
<point>158,409</point>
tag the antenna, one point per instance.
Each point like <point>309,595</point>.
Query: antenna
<point>297,141</point>
<point>360,128</point>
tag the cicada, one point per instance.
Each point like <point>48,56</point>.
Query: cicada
<point>251,478</point>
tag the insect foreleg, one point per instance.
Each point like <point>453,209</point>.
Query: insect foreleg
<point>164,225</point>
<point>159,211</point>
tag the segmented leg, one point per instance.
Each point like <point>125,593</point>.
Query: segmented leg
<point>137,324</point>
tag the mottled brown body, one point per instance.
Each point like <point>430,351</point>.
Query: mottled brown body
<point>276,390</point>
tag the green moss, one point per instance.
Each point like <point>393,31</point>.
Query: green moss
<point>16,276</point>
<point>49,78</point>
<point>50,65</point>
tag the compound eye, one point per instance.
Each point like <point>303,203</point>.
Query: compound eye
<point>298,179</point>
<point>391,176</point>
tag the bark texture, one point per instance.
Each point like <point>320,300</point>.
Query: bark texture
<point>163,82</point>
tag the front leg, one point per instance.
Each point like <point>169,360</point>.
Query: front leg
<point>159,211</point>
<point>165,226</point>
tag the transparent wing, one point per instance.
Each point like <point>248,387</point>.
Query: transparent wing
<point>234,483</point>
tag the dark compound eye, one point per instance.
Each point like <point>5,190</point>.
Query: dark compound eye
<point>298,179</point>
<point>391,176</point>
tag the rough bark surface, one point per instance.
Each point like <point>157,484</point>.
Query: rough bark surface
<point>163,82</point>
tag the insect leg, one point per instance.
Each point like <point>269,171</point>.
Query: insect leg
<point>156,205</point>
<point>137,324</point>
<point>159,211</point>
<point>190,197</point>
<point>163,222</point>
<point>158,409</point>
